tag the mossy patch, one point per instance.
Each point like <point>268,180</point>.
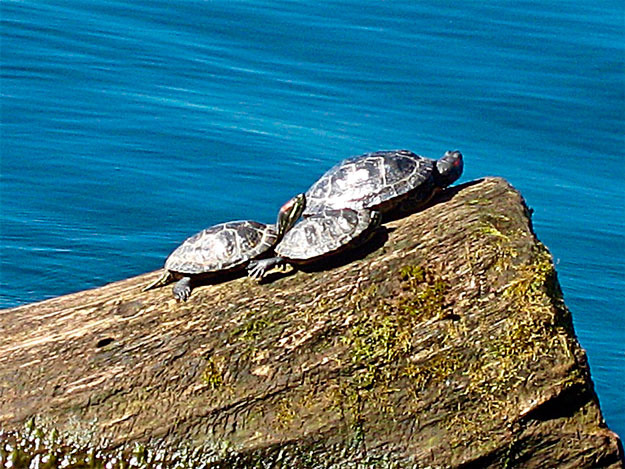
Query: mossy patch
<point>502,248</point>
<point>426,293</point>
<point>285,413</point>
<point>433,371</point>
<point>535,281</point>
<point>213,374</point>
<point>479,201</point>
<point>380,342</point>
<point>253,326</point>
<point>384,334</point>
<point>503,364</point>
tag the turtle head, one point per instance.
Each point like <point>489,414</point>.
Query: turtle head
<point>449,168</point>
<point>290,213</point>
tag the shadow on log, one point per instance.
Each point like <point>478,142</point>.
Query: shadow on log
<point>448,345</point>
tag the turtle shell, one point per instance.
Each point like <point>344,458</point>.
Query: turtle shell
<point>222,247</point>
<point>378,180</point>
<point>326,232</point>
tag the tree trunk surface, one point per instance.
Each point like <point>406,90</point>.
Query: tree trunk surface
<point>443,342</point>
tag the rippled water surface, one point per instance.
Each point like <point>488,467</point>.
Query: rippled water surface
<point>127,127</point>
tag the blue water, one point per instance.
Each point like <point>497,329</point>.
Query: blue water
<point>126,127</point>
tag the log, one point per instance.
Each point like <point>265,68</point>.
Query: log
<point>443,342</point>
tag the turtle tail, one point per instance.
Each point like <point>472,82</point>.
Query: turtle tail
<point>164,279</point>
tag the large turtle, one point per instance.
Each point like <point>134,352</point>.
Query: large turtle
<point>225,247</point>
<point>382,180</point>
<point>318,236</point>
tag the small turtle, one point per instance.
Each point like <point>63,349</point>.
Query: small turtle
<point>382,180</point>
<point>224,248</point>
<point>318,236</point>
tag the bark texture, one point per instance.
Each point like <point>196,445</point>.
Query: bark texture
<point>444,342</point>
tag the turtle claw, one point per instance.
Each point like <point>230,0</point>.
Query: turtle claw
<point>182,294</point>
<point>256,270</point>
<point>182,289</point>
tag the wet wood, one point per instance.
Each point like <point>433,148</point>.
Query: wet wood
<point>445,342</point>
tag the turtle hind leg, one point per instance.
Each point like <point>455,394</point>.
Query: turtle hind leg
<point>164,279</point>
<point>182,289</point>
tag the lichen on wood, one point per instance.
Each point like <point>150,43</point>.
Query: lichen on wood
<point>445,342</point>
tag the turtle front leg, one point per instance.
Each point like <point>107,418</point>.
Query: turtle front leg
<point>258,269</point>
<point>182,289</point>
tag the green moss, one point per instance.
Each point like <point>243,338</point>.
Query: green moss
<point>412,273</point>
<point>434,370</point>
<point>285,413</point>
<point>374,339</point>
<point>212,375</point>
<point>427,292</point>
<point>490,230</point>
<point>252,329</point>
<point>479,201</point>
<point>533,280</point>
<point>503,364</point>
<point>501,249</point>
<point>348,400</point>
<point>384,334</point>
<point>380,341</point>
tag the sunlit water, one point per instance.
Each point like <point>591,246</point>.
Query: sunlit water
<point>128,127</point>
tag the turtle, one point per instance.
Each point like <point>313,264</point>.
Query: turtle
<point>383,180</point>
<point>318,236</point>
<point>225,247</point>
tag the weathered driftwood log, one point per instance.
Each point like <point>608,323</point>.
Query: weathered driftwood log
<point>444,343</point>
